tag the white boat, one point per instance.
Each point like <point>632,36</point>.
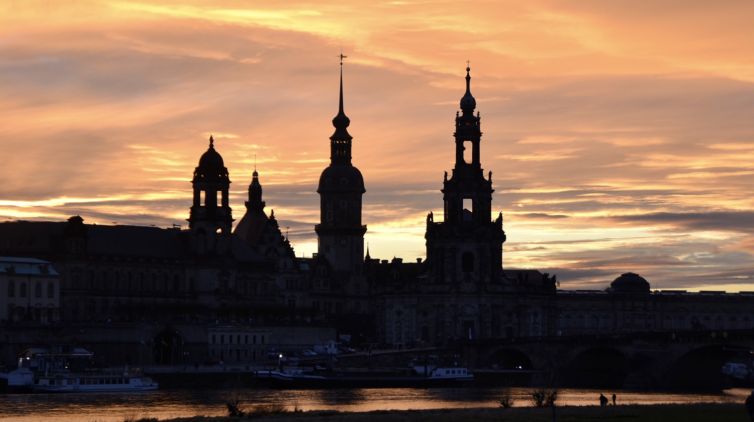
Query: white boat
<point>92,382</point>
<point>448,373</point>
<point>40,370</point>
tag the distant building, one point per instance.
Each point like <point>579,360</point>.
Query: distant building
<point>29,291</point>
<point>211,292</point>
<point>629,305</point>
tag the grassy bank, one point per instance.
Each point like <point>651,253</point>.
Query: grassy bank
<point>654,413</point>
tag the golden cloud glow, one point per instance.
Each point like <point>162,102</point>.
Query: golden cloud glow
<point>614,145</point>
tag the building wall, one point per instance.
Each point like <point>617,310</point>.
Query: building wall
<point>603,312</point>
<point>29,291</point>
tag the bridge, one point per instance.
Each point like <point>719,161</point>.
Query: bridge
<point>678,359</point>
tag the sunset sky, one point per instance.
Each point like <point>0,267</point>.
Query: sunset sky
<point>620,133</point>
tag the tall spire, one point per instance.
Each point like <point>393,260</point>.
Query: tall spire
<point>341,121</point>
<point>340,103</point>
<point>340,145</point>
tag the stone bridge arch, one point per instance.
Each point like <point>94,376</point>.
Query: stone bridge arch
<point>699,366</point>
<point>511,364</point>
<point>510,358</point>
<point>600,366</point>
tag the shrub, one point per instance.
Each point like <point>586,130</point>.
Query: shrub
<point>543,397</point>
<point>507,399</point>
<point>234,409</point>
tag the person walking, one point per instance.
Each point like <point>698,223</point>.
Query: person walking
<point>614,399</point>
<point>603,400</point>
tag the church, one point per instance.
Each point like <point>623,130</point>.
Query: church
<point>169,295</point>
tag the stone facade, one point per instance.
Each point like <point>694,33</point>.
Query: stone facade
<point>29,291</point>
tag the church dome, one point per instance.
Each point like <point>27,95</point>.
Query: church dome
<point>341,178</point>
<point>630,283</point>
<point>211,164</point>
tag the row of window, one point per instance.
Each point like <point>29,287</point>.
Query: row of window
<point>220,339</point>
<point>37,314</point>
<point>669,321</point>
<point>37,289</point>
<point>145,282</point>
<point>237,354</point>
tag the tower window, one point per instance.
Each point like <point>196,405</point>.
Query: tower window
<point>467,262</point>
<point>468,209</point>
<point>467,152</point>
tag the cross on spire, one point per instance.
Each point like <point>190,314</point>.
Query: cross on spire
<point>341,56</point>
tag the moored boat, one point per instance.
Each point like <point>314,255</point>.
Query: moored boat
<point>40,370</point>
<point>92,382</point>
<point>417,377</point>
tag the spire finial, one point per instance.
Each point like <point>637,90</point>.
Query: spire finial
<point>468,77</point>
<point>255,162</point>
<point>340,103</point>
<point>211,141</point>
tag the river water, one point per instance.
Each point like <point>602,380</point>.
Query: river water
<point>115,407</point>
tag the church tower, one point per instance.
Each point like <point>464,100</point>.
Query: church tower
<point>467,246</point>
<point>262,233</point>
<point>210,215</point>
<point>341,186</point>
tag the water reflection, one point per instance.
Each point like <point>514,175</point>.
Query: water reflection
<point>181,403</point>
<point>341,397</point>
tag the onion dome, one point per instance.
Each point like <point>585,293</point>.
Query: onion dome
<point>629,283</point>
<point>468,102</point>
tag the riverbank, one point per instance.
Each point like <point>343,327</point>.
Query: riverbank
<point>651,413</point>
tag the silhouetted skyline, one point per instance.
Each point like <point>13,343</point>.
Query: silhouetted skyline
<point>615,146</point>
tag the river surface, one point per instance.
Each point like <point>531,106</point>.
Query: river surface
<point>115,407</point>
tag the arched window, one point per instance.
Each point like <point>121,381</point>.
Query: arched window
<point>11,288</point>
<point>467,149</point>
<point>50,290</point>
<point>467,262</point>
<point>22,290</point>
<point>37,289</point>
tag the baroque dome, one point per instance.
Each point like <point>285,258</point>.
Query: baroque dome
<point>630,283</point>
<point>211,165</point>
